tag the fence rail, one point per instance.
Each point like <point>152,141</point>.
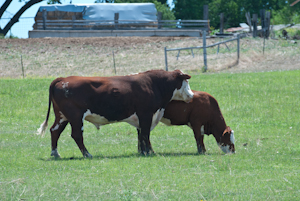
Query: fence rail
<point>118,24</point>
<point>204,49</point>
<point>43,23</point>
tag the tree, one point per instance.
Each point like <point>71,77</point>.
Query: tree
<point>189,9</point>
<point>229,8</point>
<point>16,17</point>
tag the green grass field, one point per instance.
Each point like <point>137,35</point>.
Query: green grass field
<point>262,108</point>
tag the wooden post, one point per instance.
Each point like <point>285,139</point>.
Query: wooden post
<point>268,16</point>
<point>262,19</point>
<point>238,48</point>
<point>248,17</point>
<point>73,20</point>
<point>116,20</point>
<point>23,73</point>
<point>254,18</point>
<point>114,62</point>
<point>44,18</point>
<point>221,23</point>
<point>204,51</point>
<point>159,18</point>
<point>166,59</point>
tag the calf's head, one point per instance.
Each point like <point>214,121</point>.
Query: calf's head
<point>183,91</point>
<point>227,141</point>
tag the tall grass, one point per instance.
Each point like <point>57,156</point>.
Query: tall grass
<point>262,108</point>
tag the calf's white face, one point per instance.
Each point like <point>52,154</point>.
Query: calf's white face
<point>184,93</point>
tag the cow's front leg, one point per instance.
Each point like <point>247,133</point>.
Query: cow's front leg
<point>139,143</point>
<point>144,136</point>
<point>77,135</point>
<point>199,136</point>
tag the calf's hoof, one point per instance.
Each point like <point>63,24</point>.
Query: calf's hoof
<point>86,154</point>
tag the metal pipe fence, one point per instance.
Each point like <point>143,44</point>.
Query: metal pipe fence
<point>204,47</point>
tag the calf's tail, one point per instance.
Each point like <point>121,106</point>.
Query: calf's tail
<point>42,129</point>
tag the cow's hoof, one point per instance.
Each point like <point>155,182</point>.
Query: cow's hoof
<point>55,153</point>
<point>86,154</point>
<point>147,153</point>
<point>201,151</point>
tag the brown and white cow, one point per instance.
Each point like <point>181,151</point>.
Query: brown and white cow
<point>138,99</point>
<point>204,116</point>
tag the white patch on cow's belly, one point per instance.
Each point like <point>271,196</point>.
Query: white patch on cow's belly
<point>133,120</point>
<point>99,120</point>
<point>166,121</point>
<point>157,117</point>
<point>95,119</point>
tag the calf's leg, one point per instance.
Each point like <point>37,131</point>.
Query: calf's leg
<point>199,136</point>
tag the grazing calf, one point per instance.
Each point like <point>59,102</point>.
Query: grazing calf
<point>204,116</point>
<point>139,100</point>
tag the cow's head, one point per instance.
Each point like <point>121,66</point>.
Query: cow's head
<point>183,91</point>
<point>227,141</point>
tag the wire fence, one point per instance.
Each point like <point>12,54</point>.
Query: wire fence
<point>64,57</point>
<point>121,56</point>
<point>19,29</point>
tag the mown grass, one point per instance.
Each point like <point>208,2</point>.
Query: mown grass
<point>262,108</point>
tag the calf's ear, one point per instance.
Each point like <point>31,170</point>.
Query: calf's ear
<point>227,130</point>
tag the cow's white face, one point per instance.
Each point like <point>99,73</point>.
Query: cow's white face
<point>184,93</point>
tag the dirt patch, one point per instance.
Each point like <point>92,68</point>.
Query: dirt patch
<point>107,56</point>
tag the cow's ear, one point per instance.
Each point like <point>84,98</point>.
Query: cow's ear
<point>181,75</point>
<point>185,76</point>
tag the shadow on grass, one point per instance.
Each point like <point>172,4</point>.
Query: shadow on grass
<point>131,155</point>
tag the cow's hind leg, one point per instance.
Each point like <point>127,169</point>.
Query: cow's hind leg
<point>77,135</point>
<point>199,136</point>
<point>56,129</point>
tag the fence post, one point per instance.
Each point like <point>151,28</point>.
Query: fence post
<point>248,17</point>
<point>238,48</point>
<point>73,20</point>
<point>254,18</point>
<point>221,23</point>
<point>262,19</point>
<point>44,18</point>
<point>116,20</point>
<point>267,23</point>
<point>205,16</point>
<point>166,59</point>
<point>204,51</point>
<point>159,17</point>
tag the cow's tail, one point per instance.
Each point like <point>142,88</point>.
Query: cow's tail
<point>42,129</point>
